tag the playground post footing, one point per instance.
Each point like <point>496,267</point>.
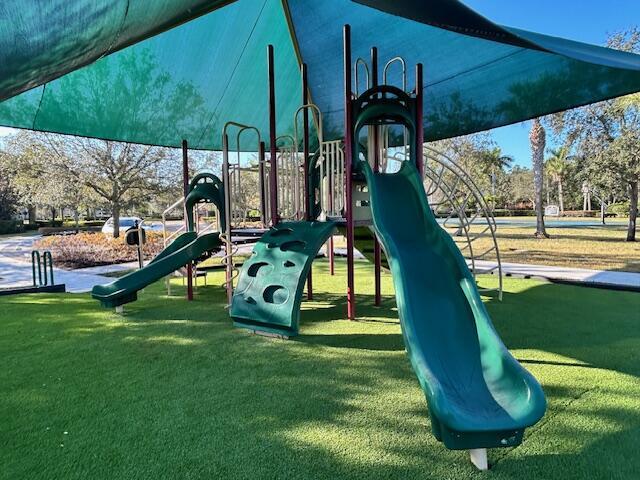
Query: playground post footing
<point>479,458</point>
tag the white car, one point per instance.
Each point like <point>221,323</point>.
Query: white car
<point>125,224</point>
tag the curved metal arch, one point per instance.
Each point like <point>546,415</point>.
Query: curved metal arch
<point>446,163</point>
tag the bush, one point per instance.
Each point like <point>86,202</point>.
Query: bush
<point>11,226</point>
<point>92,249</point>
<point>621,209</point>
<point>581,213</point>
<point>505,212</point>
<point>84,223</point>
<point>66,230</point>
<point>48,223</point>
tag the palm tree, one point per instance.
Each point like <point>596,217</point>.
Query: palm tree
<point>557,166</point>
<point>538,139</point>
<point>494,161</point>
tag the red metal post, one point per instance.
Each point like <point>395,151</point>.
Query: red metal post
<point>348,154</point>
<point>419,120</point>
<point>263,192</point>
<point>227,214</point>
<point>305,154</point>
<point>330,174</point>
<point>273,173</point>
<point>377,252</point>
<point>185,183</point>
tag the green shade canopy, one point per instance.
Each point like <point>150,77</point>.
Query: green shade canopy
<point>163,71</point>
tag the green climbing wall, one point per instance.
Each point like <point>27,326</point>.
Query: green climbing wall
<point>271,282</point>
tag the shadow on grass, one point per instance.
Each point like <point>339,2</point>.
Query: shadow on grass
<point>172,390</point>
<point>597,327</point>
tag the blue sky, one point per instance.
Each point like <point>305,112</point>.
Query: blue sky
<point>583,20</point>
<point>587,21</point>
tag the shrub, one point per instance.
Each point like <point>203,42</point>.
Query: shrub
<point>66,230</point>
<point>91,249</point>
<point>621,209</point>
<point>11,226</point>
<point>84,223</point>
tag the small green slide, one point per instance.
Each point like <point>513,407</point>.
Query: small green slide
<point>479,396</point>
<point>188,247</point>
<point>185,249</point>
<point>271,282</point>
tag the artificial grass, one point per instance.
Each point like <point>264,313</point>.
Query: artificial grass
<point>171,390</point>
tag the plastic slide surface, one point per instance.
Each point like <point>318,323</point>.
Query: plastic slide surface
<point>479,396</point>
<point>186,248</point>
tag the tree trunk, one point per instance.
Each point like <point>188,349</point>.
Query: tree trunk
<point>548,193</point>
<point>560,196</point>
<point>115,213</point>
<point>538,143</point>
<point>53,214</point>
<point>633,211</point>
<point>32,214</point>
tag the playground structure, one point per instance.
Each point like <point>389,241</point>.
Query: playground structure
<point>378,181</point>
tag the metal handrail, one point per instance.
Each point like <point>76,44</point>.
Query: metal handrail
<point>358,62</point>
<point>403,64</point>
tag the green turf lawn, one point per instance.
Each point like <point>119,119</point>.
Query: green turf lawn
<point>171,390</point>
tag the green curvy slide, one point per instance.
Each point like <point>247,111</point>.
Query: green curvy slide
<point>271,282</point>
<point>185,249</point>
<point>479,396</point>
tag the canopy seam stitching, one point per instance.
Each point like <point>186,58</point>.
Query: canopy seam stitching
<point>477,67</point>
<point>35,117</point>
<point>118,33</point>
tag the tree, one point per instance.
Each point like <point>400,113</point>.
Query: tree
<point>537,137</point>
<point>36,182</point>
<point>494,161</point>
<point>557,166</point>
<point>521,185</point>
<point>607,136</point>
<point>122,174</point>
<point>8,197</point>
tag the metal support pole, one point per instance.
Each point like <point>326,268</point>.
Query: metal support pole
<point>226,181</point>
<point>377,253</point>
<point>348,153</point>
<point>273,172</point>
<point>419,120</point>
<point>263,192</point>
<point>185,183</point>
<point>305,154</point>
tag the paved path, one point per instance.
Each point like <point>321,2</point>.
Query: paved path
<point>15,267</point>
<point>605,278</point>
<point>574,275</point>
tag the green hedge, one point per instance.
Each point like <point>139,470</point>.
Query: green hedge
<point>83,223</point>
<point>11,226</point>
<point>621,209</point>
<point>66,230</point>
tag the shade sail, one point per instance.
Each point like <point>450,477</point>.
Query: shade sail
<point>183,69</point>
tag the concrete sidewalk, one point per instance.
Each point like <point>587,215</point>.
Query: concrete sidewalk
<point>15,268</point>
<point>601,278</point>
<point>15,273</point>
